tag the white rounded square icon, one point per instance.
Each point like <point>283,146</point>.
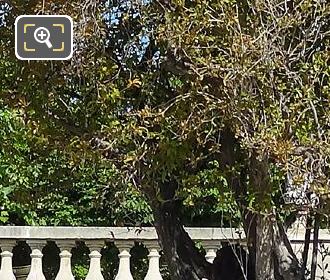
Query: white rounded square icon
<point>43,37</point>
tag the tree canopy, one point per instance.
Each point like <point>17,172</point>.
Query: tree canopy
<point>220,104</point>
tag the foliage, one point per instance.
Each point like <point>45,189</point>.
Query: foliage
<point>189,102</point>
<point>41,185</point>
<point>246,67</point>
<point>74,116</point>
<point>203,66</point>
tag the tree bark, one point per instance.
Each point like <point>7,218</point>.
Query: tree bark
<point>184,260</point>
<point>306,244</point>
<point>264,264</point>
<point>273,256</point>
<point>315,245</point>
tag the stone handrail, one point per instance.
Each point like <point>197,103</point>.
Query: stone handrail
<point>123,237</point>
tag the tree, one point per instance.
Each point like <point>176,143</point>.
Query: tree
<point>177,94</point>
<point>262,71</point>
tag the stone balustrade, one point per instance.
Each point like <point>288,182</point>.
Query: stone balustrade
<point>124,239</point>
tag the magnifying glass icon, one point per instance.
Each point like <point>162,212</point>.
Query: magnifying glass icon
<point>41,35</point>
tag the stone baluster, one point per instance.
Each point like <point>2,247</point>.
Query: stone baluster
<point>211,247</point>
<point>124,270</point>
<point>153,270</point>
<point>94,272</point>
<point>65,272</point>
<point>6,271</point>
<point>36,260</point>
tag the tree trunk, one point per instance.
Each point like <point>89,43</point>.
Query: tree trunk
<point>264,263</point>
<point>306,244</point>
<point>273,256</point>
<point>184,260</point>
<point>270,254</point>
<point>315,245</point>
<point>269,245</point>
